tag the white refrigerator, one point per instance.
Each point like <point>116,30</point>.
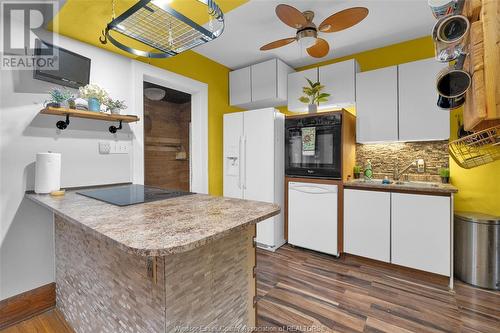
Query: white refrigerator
<point>254,165</point>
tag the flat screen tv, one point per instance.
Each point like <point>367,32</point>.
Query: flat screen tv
<point>74,69</point>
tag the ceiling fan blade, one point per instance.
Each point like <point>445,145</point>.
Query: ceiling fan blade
<point>278,43</point>
<point>344,19</point>
<point>291,16</point>
<point>319,49</point>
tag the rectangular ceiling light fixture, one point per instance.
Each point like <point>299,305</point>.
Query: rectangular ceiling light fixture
<point>160,27</point>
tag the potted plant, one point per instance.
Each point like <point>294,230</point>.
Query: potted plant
<point>59,98</point>
<point>356,170</point>
<point>313,95</point>
<point>94,95</point>
<point>115,106</point>
<point>444,173</point>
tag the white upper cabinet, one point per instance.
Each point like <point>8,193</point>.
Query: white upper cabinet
<point>296,81</point>
<point>240,91</point>
<point>264,81</point>
<point>398,103</point>
<point>377,105</point>
<point>339,80</point>
<point>260,85</point>
<point>419,117</point>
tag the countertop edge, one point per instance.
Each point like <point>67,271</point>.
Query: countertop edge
<point>439,191</point>
<point>152,252</point>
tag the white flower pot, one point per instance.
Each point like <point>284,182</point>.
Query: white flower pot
<point>312,108</point>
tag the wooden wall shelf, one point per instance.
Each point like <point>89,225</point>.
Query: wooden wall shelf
<point>89,115</point>
<point>62,125</point>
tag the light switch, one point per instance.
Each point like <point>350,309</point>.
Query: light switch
<point>104,147</point>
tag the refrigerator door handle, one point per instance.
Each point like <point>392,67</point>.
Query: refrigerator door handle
<point>245,162</point>
<point>240,154</point>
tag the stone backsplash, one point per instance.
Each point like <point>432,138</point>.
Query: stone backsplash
<point>385,156</point>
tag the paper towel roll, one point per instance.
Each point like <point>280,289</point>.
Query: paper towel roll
<point>47,172</point>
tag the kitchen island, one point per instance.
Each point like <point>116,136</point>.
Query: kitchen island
<point>182,264</point>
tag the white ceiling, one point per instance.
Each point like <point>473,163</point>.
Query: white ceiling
<point>255,23</point>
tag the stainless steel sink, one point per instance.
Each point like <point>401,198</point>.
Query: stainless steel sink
<point>399,183</point>
<point>415,184</point>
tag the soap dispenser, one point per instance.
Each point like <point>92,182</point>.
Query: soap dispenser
<point>368,170</point>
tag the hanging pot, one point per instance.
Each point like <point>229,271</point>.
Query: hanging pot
<point>452,84</point>
<point>450,34</point>
<point>440,8</point>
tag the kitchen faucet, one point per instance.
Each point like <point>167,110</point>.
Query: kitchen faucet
<point>418,163</point>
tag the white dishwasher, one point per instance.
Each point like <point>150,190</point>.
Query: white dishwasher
<point>312,216</point>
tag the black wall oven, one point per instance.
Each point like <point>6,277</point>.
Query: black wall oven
<point>313,146</point>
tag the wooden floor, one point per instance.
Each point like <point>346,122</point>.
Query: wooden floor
<point>48,322</point>
<point>319,293</point>
<point>301,290</point>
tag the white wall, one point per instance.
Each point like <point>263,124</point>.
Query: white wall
<point>26,230</point>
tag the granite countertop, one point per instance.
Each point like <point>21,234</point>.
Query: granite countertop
<point>404,187</point>
<point>161,227</point>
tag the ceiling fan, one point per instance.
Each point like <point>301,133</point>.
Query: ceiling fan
<point>307,31</point>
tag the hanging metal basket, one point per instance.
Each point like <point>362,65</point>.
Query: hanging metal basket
<point>477,149</point>
<point>158,26</point>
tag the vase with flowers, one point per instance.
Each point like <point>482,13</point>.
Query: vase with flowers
<point>94,95</point>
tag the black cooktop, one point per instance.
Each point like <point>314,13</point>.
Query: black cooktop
<point>132,194</point>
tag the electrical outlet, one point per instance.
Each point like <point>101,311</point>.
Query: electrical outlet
<point>104,147</point>
<point>120,148</point>
<point>420,166</point>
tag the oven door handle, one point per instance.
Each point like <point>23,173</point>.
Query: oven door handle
<point>312,189</point>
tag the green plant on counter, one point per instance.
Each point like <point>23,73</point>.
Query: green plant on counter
<point>58,97</point>
<point>444,172</point>
<point>313,94</point>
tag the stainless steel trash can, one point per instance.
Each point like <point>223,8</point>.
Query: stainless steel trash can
<point>477,249</point>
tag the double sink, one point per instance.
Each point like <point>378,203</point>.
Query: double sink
<point>405,183</point>
<point>397,183</point>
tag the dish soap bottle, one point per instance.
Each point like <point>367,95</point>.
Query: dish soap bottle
<point>368,170</point>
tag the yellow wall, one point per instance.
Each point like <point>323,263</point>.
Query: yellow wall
<point>478,188</point>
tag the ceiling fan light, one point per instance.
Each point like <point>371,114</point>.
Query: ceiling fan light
<point>307,42</point>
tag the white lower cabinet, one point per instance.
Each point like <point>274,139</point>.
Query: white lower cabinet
<point>411,230</point>
<point>421,232</point>
<point>367,224</point>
